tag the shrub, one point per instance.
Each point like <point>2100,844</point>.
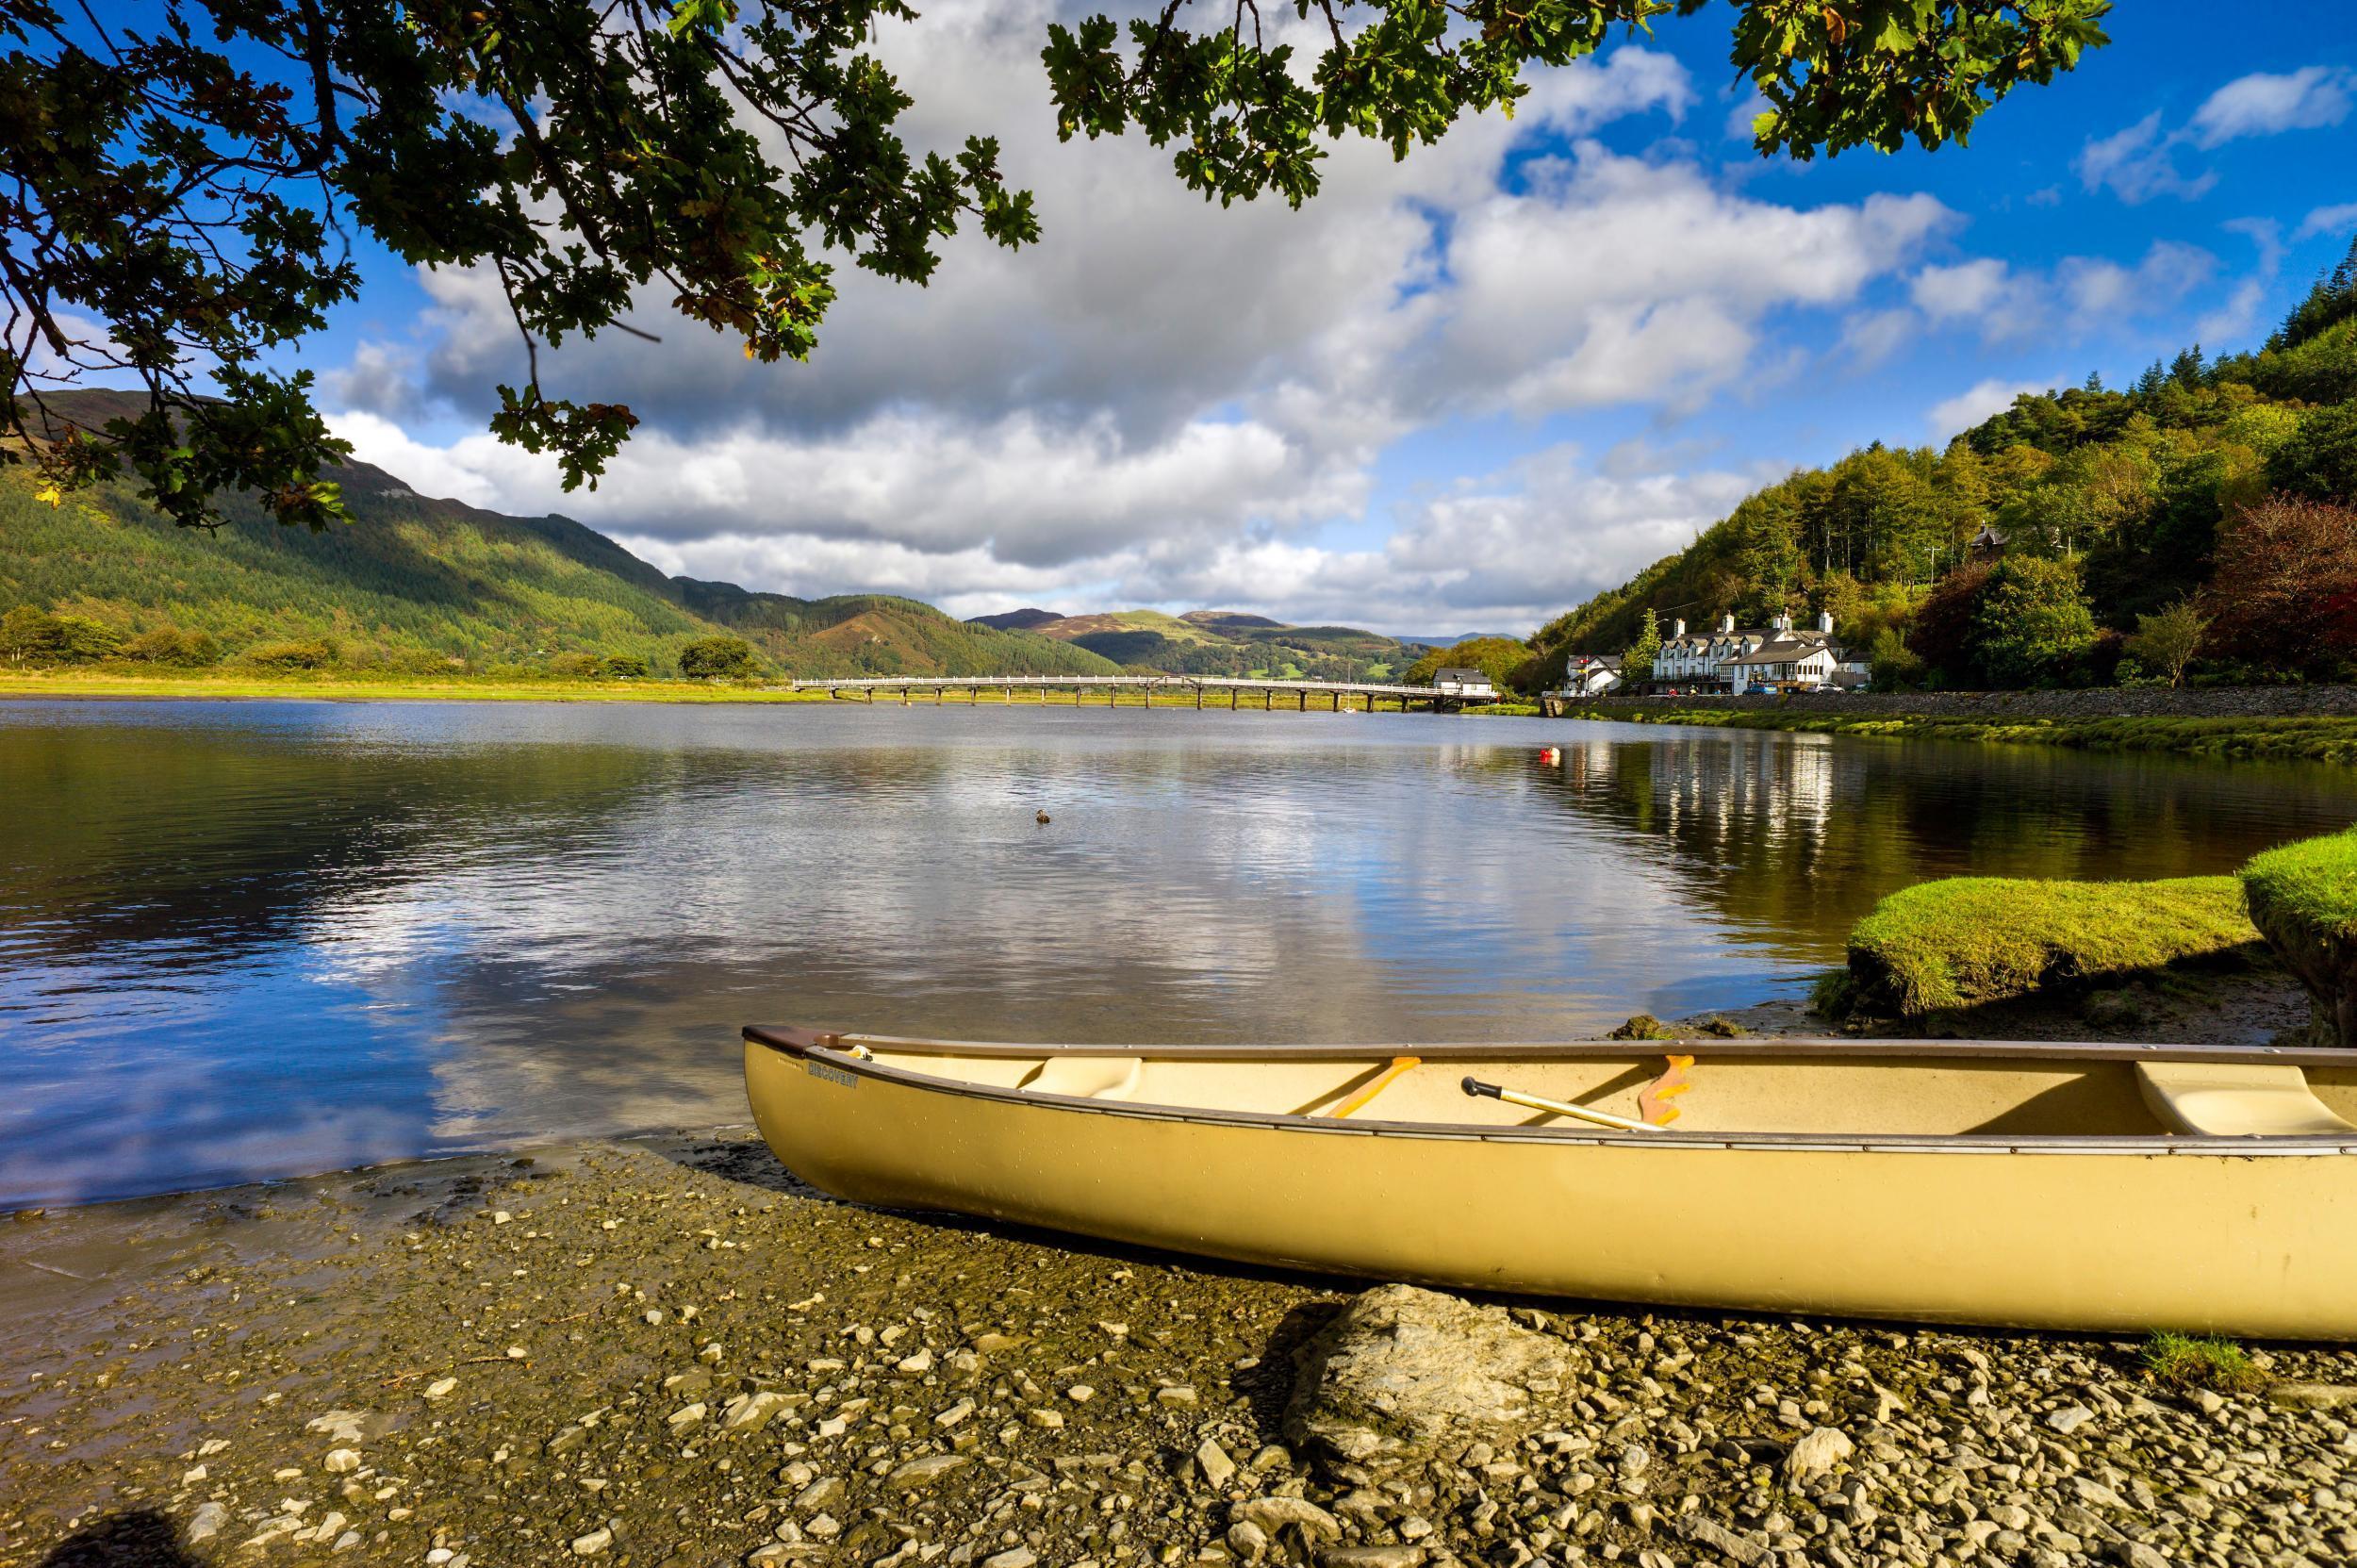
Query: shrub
<point>2184,1360</point>
<point>2319,460</point>
<point>2303,900</point>
<point>313,654</point>
<point>622,666</point>
<point>171,645</point>
<point>1968,940</point>
<point>717,658</point>
<point>574,667</point>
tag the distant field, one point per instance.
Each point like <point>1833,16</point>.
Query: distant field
<point>109,684</point>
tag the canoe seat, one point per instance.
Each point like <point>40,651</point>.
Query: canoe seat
<point>1087,1077</point>
<point>2230,1099</point>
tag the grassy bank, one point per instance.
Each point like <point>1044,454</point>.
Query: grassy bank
<point>2317,739</point>
<point>2304,897</point>
<point>1964,941</point>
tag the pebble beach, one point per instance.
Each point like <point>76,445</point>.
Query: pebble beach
<point>668,1351</point>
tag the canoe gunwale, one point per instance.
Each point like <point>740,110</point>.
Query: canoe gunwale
<point>831,1051</point>
<point>795,1041</point>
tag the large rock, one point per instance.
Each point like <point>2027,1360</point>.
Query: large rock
<point>1405,1376</point>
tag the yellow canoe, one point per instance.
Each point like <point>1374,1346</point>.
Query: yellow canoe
<point>2027,1184</point>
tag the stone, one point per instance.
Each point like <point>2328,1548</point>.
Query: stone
<point>1404,1376</point>
<point>566,1441</point>
<point>920,1363</point>
<point>2313,1397</point>
<point>1273,1514</point>
<point>750,1413</point>
<point>343,1461</point>
<point>1715,1537</point>
<point>1371,1557</point>
<point>595,1541</point>
<point>1079,1394</point>
<point>685,1416</point>
<point>2069,1419</point>
<point>1213,1460</point>
<point>1177,1398</point>
<point>1816,1453</point>
<point>2136,1554</point>
<point>1019,1556</point>
<point>925,1471</point>
<point>1247,1540</point>
<point>206,1522</point>
<point>1045,1419</point>
<point>440,1388</point>
<point>349,1427</point>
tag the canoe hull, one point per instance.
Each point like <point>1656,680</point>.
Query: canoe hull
<point>2143,1238</point>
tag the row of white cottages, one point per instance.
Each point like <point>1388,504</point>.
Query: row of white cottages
<point>1774,658</point>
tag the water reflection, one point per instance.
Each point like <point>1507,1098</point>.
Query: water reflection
<point>245,939</point>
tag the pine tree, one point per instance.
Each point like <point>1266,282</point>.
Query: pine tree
<point>2186,370</point>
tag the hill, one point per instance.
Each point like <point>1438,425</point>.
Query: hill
<point>2081,536</point>
<point>1220,642</point>
<point>420,584</point>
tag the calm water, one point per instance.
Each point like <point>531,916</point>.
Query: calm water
<point>240,940</point>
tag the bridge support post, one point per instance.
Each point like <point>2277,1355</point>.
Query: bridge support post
<point>1198,698</point>
<point>1232,698</point>
<point>1338,702</point>
<point>1302,706</point>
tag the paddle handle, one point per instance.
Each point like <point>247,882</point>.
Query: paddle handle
<point>1533,1102</point>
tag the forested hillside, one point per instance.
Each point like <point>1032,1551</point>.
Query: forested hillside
<point>421,586</point>
<point>1220,642</point>
<point>2202,524</point>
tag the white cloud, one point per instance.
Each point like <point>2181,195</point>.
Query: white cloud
<point>1975,404</point>
<point>2080,294</point>
<point>2139,161</point>
<point>2311,98</point>
<point>2328,220</point>
<point>2137,164</point>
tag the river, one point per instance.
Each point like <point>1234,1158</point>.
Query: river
<point>251,939</point>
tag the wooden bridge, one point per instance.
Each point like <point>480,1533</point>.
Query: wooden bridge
<point>1179,691</point>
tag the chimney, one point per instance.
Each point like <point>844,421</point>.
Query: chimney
<point>1783,621</point>
<point>1677,629</point>
<point>1824,621</point>
<point>1726,625</point>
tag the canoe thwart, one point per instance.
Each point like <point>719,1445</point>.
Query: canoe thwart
<point>1653,1101</point>
<point>2235,1099</point>
<point>1381,1082</point>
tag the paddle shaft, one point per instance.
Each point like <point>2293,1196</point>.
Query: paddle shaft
<point>1560,1108</point>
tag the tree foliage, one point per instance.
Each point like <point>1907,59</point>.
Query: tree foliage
<point>1497,657</point>
<point>2138,492</point>
<point>2168,640</point>
<point>717,658</point>
<point>185,176</point>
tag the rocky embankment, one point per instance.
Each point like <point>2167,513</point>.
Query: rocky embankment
<point>665,1352</point>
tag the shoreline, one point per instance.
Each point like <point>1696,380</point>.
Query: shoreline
<point>2306,724</point>
<point>667,1351</point>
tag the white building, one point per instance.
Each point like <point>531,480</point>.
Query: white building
<point>1591,675</point>
<point>1469,683</point>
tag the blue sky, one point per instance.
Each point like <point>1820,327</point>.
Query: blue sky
<point>1463,391</point>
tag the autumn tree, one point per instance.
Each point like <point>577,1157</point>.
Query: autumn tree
<point>2285,593</point>
<point>185,179</point>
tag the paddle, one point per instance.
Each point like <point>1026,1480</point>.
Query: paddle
<point>1473,1086</point>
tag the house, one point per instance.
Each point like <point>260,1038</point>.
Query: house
<point>1789,663</point>
<point>1469,683</point>
<point>1590,674</point>
<point>1988,543</point>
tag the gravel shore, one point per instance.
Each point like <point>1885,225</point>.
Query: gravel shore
<point>665,1351</point>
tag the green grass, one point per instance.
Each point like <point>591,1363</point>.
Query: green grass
<point>2303,897</point>
<point>2311,885</point>
<point>2185,1360</point>
<point>85,682</point>
<point>1967,940</point>
<point>2315,739</point>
